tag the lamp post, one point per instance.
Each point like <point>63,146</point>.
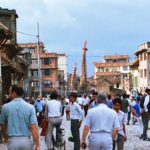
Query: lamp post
<point>38,54</point>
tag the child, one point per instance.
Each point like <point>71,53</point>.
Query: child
<point>67,106</point>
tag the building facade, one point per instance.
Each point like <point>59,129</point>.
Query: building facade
<point>13,66</point>
<point>48,69</point>
<point>143,65</point>
<point>112,72</point>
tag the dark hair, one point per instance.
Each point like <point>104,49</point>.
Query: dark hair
<point>73,94</point>
<point>124,96</point>
<point>53,95</point>
<point>18,90</point>
<point>117,100</point>
<point>108,96</point>
<point>94,93</point>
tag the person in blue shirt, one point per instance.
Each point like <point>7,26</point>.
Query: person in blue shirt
<point>39,109</point>
<point>19,122</point>
<point>109,101</point>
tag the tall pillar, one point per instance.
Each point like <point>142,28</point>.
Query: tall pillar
<point>83,77</point>
<point>73,80</point>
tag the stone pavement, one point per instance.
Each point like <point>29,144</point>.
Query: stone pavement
<point>133,142</point>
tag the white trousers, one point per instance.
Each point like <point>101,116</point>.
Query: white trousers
<point>20,143</point>
<point>100,141</point>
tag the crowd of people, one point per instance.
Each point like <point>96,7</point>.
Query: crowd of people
<point>104,118</point>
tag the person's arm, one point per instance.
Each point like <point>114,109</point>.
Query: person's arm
<point>116,126</point>
<point>35,135</point>
<point>4,132</point>
<point>146,101</point>
<point>34,128</point>
<point>124,130</point>
<point>114,133</point>
<point>84,134</point>
<point>124,122</point>
<point>4,123</point>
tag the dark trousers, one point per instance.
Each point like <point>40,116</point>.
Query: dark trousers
<point>119,142</point>
<point>129,117</point>
<point>75,133</point>
<point>145,120</point>
<point>86,109</point>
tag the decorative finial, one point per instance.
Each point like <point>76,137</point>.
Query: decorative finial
<point>85,42</point>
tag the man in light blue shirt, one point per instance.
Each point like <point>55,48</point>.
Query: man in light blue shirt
<point>19,122</point>
<point>103,124</point>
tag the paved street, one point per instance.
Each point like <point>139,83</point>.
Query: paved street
<point>133,142</point>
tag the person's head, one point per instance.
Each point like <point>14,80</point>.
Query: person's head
<point>54,95</point>
<point>73,97</point>
<point>124,96</point>
<point>147,90</point>
<point>108,96</point>
<point>101,98</point>
<point>15,91</point>
<point>38,97</point>
<point>117,104</point>
<point>94,95</point>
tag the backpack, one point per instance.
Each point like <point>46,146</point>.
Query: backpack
<point>142,101</point>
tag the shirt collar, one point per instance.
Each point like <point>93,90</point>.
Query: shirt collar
<point>17,99</point>
<point>102,105</point>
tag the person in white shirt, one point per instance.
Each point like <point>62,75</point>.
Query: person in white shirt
<point>80,101</point>
<point>76,115</point>
<point>54,111</point>
<point>121,138</point>
<point>103,124</point>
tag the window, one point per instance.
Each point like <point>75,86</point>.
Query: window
<point>47,83</point>
<point>125,68</point>
<point>34,61</point>
<point>107,70</point>
<point>46,72</point>
<point>29,50</point>
<point>46,61</point>
<point>140,55</point>
<point>34,73</point>
<point>145,56</point>
<point>145,72</point>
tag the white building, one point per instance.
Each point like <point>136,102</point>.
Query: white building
<point>62,64</point>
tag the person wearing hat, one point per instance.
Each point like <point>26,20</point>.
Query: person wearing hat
<point>103,124</point>
<point>145,112</point>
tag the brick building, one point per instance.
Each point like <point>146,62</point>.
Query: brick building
<point>48,69</point>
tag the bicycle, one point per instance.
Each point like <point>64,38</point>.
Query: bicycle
<point>59,142</point>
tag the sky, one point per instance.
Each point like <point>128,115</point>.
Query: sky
<point>109,26</point>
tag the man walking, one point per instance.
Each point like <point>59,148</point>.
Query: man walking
<point>144,112</point>
<point>76,115</point>
<point>54,110</point>
<point>19,122</point>
<point>103,124</point>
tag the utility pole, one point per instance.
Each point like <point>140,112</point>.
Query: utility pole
<point>38,52</point>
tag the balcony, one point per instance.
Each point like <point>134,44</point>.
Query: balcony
<point>34,79</point>
<point>107,73</point>
<point>34,66</point>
